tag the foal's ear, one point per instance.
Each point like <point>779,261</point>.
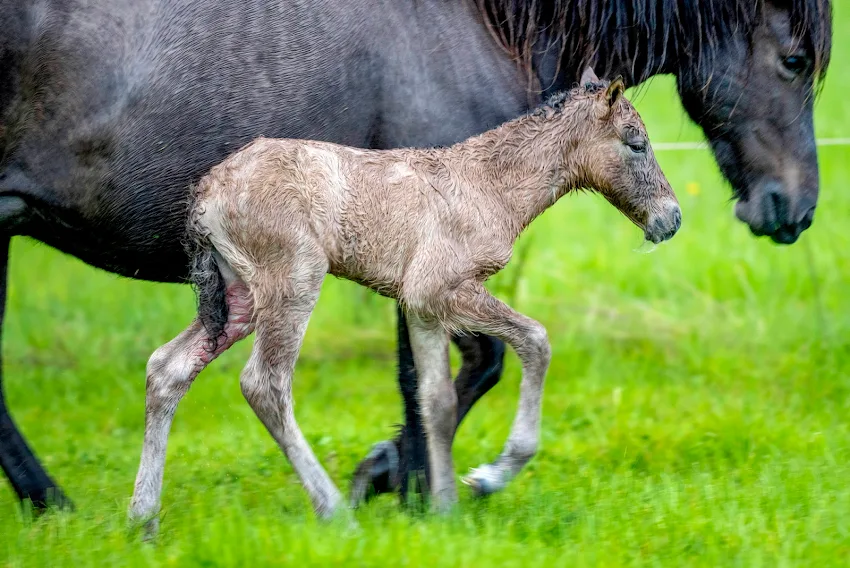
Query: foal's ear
<point>588,76</point>
<point>615,91</point>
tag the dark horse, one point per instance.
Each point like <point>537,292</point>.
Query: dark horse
<point>110,109</point>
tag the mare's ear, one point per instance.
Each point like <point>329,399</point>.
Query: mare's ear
<point>615,91</point>
<point>588,76</point>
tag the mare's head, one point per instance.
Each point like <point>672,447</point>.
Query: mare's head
<point>613,157</point>
<point>753,97</point>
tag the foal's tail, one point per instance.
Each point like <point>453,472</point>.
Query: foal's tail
<point>207,279</point>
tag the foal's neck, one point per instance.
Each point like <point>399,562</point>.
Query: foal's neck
<point>528,164</point>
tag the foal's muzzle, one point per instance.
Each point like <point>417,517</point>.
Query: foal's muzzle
<point>663,225</point>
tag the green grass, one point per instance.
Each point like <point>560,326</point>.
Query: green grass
<point>696,410</point>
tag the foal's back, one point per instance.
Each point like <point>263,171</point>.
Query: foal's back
<point>370,211</point>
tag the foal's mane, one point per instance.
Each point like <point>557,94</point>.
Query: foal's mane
<point>558,101</point>
<point>587,28</point>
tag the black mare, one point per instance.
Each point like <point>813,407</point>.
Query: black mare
<point>110,109</point>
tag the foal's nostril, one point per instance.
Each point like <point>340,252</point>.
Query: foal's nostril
<point>677,218</point>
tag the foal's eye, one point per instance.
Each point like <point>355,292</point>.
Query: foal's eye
<point>793,65</point>
<point>637,146</point>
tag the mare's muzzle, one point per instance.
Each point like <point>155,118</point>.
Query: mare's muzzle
<point>770,211</point>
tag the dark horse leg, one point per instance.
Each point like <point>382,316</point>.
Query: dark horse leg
<point>394,465</point>
<point>29,480</point>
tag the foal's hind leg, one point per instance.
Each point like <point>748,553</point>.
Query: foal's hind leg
<point>474,309</point>
<point>171,370</point>
<point>267,378</point>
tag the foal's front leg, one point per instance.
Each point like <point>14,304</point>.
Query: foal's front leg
<point>396,464</point>
<point>474,309</point>
<point>438,401</point>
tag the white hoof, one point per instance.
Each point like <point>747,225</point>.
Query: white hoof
<point>486,479</point>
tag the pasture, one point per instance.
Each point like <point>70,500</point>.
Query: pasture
<point>697,410</point>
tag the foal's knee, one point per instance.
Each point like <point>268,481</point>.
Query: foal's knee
<point>536,348</point>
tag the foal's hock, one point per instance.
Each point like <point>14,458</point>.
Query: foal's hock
<point>427,227</point>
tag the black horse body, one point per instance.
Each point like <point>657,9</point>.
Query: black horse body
<point>109,110</point>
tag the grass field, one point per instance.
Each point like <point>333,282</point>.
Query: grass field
<point>696,410</point>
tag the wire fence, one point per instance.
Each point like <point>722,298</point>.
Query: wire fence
<point>680,146</point>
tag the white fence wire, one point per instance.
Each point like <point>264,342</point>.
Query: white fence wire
<point>679,146</point>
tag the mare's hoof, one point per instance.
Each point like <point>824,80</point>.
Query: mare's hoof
<point>376,474</point>
<point>485,480</point>
<point>46,500</point>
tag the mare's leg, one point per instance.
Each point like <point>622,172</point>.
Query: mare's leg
<point>483,358</point>
<point>28,478</point>
<point>267,378</point>
<point>476,310</point>
<point>171,370</point>
<point>410,446</point>
<point>391,465</point>
<point>395,464</point>
<point>429,342</point>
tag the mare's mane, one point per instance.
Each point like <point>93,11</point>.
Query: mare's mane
<point>587,28</point>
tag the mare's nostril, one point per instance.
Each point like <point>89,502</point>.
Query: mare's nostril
<point>775,208</point>
<point>807,219</point>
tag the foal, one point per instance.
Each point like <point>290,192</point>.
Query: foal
<point>427,227</point>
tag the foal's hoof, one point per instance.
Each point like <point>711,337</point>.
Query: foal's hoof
<point>377,473</point>
<point>343,520</point>
<point>485,480</point>
<point>147,527</point>
<point>445,503</point>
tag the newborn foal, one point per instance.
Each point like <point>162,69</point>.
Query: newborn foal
<point>427,227</point>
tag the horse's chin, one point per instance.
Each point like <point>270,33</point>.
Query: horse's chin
<point>785,236</point>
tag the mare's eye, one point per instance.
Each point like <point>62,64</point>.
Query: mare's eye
<point>637,146</point>
<point>793,65</point>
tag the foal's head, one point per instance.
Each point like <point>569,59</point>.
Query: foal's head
<point>614,158</point>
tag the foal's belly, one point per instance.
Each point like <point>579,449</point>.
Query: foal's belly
<point>384,282</point>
